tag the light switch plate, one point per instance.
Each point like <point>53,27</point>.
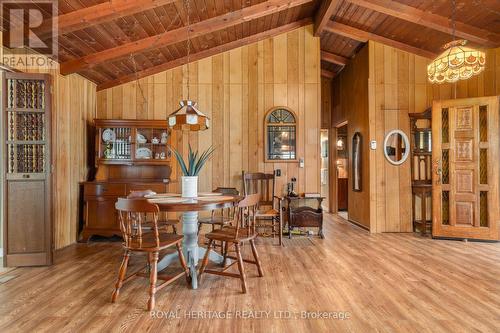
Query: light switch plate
<point>373,144</point>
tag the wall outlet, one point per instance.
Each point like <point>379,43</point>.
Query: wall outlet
<point>373,144</point>
<point>301,162</point>
<point>277,172</point>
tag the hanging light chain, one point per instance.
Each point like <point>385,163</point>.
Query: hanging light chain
<point>188,6</point>
<point>453,13</point>
<point>144,100</point>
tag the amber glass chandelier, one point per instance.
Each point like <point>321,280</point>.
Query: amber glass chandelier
<point>457,62</point>
<point>188,117</point>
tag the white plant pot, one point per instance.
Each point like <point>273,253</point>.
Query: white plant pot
<point>189,186</point>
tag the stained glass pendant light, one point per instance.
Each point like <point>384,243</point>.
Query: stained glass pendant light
<point>188,117</point>
<point>457,62</point>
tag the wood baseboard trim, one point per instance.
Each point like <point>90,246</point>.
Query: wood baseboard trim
<point>362,226</point>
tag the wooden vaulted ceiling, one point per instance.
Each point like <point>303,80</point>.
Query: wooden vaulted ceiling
<point>116,41</point>
<point>417,26</point>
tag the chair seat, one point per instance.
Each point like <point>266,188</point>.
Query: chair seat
<point>267,213</point>
<point>219,220</point>
<point>148,242</point>
<point>227,234</point>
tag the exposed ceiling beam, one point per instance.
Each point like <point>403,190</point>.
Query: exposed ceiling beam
<point>86,17</point>
<point>178,35</point>
<point>334,58</point>
<point>364,36</point>
<point>430,20</point>
<point>327,74</point>
<point>323,14</point>
<point>206,53</point>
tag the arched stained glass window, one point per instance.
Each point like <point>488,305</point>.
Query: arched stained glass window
<point>281,135</point>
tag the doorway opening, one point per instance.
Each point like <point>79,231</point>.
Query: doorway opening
<point>342,165</point>
<point>325,188</point>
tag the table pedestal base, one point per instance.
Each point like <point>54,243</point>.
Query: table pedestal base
<point>192,252</point>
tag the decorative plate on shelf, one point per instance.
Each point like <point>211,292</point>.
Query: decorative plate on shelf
<point>143,153</point>
<point>141,138</point>
<point>108,135</point>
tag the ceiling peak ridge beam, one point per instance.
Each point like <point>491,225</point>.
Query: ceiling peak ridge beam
<point>104,12</point>
<point>323,14</point>
<point>206,53</point>
<point>178,35</point>
<point>364,36</point>
<point>430,20</point>
<point>334,58</point>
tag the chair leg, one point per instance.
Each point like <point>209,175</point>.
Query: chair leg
<point>280,235</point>
<point>183,262</point>
<point>226,248</point>
<point>256,257</point>
<point>153,263</point>
<point>204,263</point>
<point>121,276</point>
<point>241,268</point>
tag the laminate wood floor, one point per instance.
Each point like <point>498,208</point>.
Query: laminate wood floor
<point>386,283</point>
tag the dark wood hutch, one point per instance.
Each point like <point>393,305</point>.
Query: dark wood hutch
<point>421,167</point>
<point>130,155</point>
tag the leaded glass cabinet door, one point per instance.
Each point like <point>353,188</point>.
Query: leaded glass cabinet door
<point>26,169</point>
<point>465,168</point>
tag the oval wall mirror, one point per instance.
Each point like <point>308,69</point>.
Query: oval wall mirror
<point>396,147</point>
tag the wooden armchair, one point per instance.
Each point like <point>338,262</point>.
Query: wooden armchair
<point>269,213</point>
<point>132,213</point>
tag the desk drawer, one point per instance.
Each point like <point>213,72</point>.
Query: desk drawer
<point>104,189</point>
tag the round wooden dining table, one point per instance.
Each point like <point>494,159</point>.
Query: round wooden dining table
<point>193,252</point>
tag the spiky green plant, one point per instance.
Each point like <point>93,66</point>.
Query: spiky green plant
<point>195,163</point>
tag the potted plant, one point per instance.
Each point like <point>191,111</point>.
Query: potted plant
<point>195,162</point>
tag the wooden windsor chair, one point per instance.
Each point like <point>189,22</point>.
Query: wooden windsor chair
<point>163,220</point>
<point>269,214</point>
<point>241,231</point>
<point>132,213</point>
<point>219,217</point>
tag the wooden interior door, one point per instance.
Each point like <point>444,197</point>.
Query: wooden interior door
<point>465,168</point>
<point>26,169</point>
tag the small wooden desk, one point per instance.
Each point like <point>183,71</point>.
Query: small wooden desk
<point>190,208</point>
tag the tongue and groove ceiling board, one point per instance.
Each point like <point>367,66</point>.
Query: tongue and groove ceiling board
<point>418,26</point>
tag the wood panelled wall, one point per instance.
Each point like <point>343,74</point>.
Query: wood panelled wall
<point>396,85</point>
<point>73,109</point>
<point>236,89</point>
<point>350,103</point>
<point>326,102</point>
